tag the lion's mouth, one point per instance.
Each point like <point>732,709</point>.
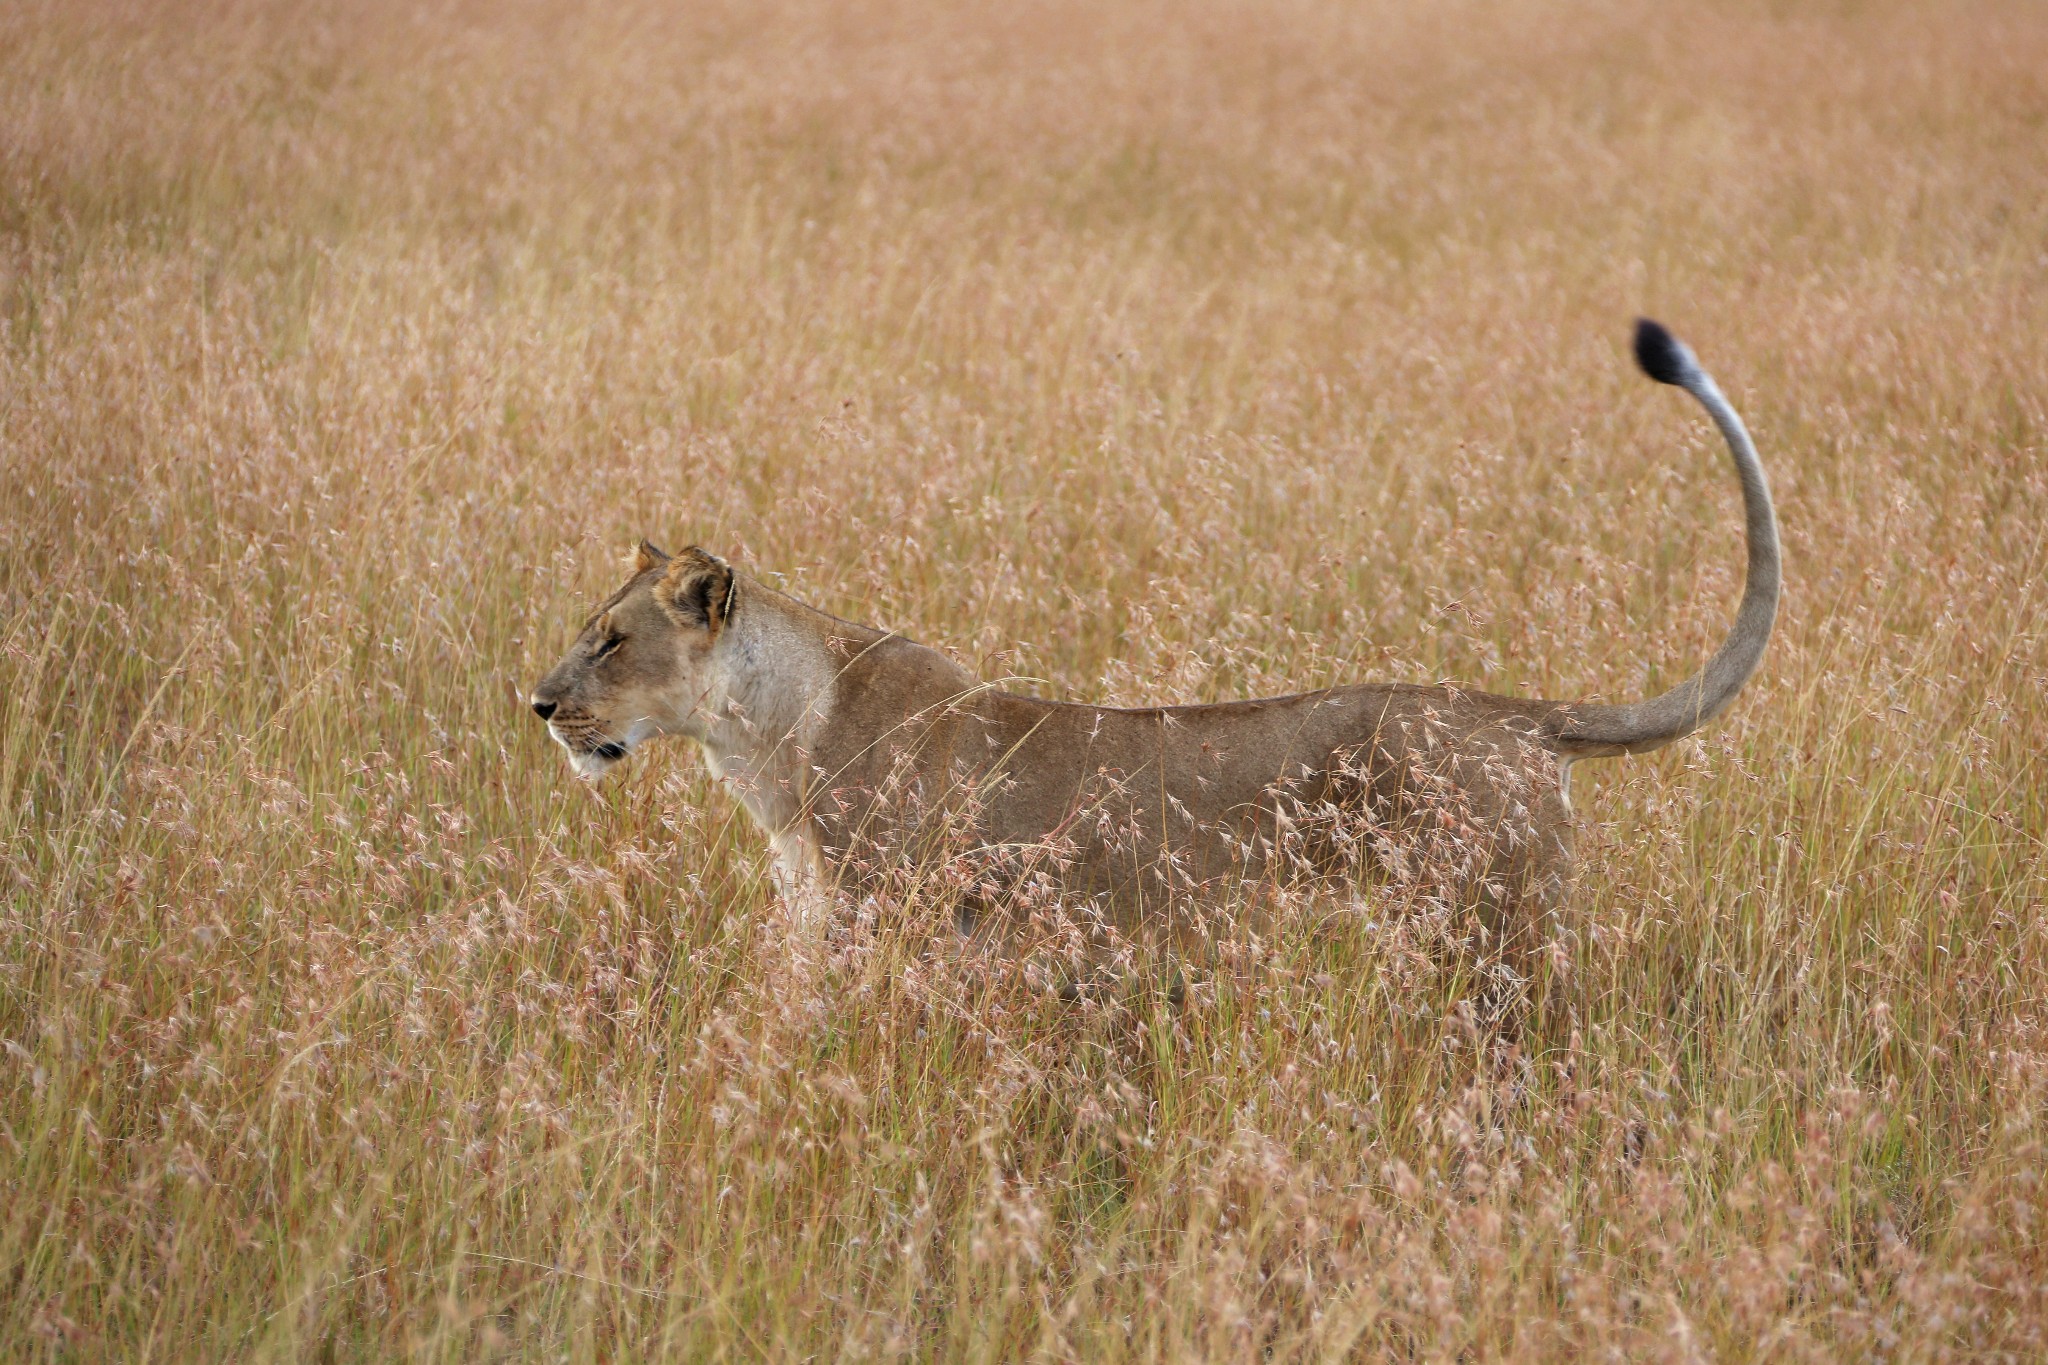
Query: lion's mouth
<point>591,761</point>
<point>594,748</point>
<point>590,754</point>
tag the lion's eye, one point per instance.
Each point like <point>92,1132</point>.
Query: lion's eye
<point>608,646</point>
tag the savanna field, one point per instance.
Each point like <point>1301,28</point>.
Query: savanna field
<point>1140,352</point>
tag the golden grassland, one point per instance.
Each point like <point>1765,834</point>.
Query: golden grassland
<point>1152,352</point>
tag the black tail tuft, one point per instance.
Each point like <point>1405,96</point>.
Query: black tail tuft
<point>1662,356</point>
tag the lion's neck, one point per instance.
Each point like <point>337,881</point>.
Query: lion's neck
<point>771,695</point>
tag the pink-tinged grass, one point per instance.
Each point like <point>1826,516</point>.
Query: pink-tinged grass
<point>1157,352</point>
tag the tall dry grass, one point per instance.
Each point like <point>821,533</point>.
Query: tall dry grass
<point>1160,352</point>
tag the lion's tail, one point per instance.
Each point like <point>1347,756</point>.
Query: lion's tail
<point>1592,730</point>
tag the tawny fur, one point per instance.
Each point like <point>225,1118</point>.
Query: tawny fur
<point>862,753</point>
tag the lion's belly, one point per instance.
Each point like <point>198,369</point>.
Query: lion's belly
<point>1142,809</point>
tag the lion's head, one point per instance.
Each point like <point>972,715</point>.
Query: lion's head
<point>640,665</point>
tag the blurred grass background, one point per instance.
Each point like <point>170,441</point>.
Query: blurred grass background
<point>1159,352</point>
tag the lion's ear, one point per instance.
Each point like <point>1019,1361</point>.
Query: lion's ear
<point>696,589</point>
<point>646,557</point>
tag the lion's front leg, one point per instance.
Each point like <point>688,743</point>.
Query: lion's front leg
<point>798,872</point>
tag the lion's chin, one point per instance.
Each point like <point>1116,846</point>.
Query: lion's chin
<point>592,764</point>
<point>592,761</point>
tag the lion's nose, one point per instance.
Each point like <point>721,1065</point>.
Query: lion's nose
<point>544,709</point>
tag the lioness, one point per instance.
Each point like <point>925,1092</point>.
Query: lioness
<point>859,751</point>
